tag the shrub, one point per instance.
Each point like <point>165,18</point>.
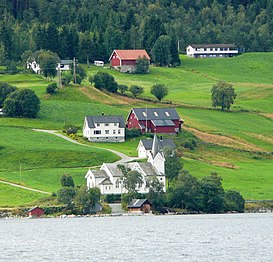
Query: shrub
<point>122,88</point>
<point>190,144</point>
<point>136,90</point>
<point>66,79</point>
<point>105,81</point>
<point>134,132</point>
<point>51,88</point>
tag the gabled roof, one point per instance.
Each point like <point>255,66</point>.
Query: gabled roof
<point>130,54</point>
<point>34,208</point>
<point>115,171</point>
<point>138,203</point>
<point>66,62</point>
<point>166,142</point>
<point>99,174</point>
<point>155,113</point>
<point>213,45</point>
<point>106,181</point>
<point>148,169</point>
<point>91,120</point>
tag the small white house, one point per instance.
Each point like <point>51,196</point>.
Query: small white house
<point>104,128</point>
<point>109,177</point>
<point>64,65</point>
<point>144,148</point>
<point>211,50</point>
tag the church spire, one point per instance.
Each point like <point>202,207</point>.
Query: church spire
<point>156,145</point>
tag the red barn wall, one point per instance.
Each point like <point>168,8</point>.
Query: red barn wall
<point>36,212</point>
<point>115,60</point>
<point>132,121</point>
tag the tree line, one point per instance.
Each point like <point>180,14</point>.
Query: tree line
<point>91,29</point>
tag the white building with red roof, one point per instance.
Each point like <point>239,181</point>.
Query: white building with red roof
<point>125,60</point>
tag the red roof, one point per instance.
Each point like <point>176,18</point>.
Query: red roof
<point>130,54</point>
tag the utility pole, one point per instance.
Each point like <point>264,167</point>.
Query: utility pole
<point>178,46</point>
<point>60,77</point>
<point>74,69</point>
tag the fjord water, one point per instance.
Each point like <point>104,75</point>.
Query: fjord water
<point>227,237</point>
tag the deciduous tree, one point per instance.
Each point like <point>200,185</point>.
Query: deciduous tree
<point>136,90</point>
<point>222,95</point>
<point>159,91</point>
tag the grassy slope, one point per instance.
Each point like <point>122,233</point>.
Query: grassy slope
<point>189,84</point>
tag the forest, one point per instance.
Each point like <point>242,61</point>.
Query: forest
<point>91,29</point>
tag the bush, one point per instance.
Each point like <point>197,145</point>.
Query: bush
<point>190,144</point>
<point>70,129</point>
<point>5,90</point>
<point>66,79</point>
<point>134,132</point>
<point>22,103</point>
<point>105,81</point>
<point>51,88</point>
<point>122,88</point>
<point>78,79</point>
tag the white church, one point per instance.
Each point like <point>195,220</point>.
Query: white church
<point>109,177</point>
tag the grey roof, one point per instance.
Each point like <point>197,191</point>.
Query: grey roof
<point>156,113</point>
<point>213,45</point>
<point>106,181</point>
<point>91,120</point>
<point>99,173</point>
<point>166,142</point>
<point>138,203</point>
<point>148,169</point>
<point>163,123</point>
<point>66,62</point>
<point>115,171</point>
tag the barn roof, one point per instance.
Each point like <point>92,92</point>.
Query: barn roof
<point>212,45</point>
<point>130,54</point>
<point>156,114</point>
<point>34,208</point>
<point>91,120</point>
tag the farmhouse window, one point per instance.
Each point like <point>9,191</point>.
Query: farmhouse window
<point>107,132</point>
<point>97,132</point>
<point>119,132</point>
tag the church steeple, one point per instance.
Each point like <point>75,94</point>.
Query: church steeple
<point>156,146</point>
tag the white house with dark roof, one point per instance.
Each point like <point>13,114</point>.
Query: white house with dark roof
<point>144,148</point>
<point>211,50</point>
<point>109,177</point>
<point>104,128</point>
<point>155,120</point>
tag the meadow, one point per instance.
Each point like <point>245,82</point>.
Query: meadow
<point>236,144</point>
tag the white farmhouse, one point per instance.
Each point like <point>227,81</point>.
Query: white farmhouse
<point>104,128</point>
<point>109,178</point>
<point>64,65</point>
<point>211,50</point>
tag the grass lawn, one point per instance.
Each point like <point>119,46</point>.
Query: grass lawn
<point>45,157</point>
<point>253,178</point>
<point>13,197</point>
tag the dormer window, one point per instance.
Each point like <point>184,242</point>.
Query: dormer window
<point>144,113</point>
<point>155,113</point>
<point>167,113</point>
<point>98,124</point>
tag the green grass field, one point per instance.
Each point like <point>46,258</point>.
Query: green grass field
<point>44,157</point>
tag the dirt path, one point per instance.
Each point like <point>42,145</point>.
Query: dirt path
<point>24,187</point>
<point>124,158</point>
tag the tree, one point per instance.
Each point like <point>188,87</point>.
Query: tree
<point>212,194</point>
<point>122,88</point>
<point>159,91</point>
<point>105,81</point>
<point>142,65</point>
<point>66,196</point>
<point>5,90</point>
<point>186,193</point>
<point>175,61</point>
<point>161,53</point>
<point>86,199</point>
<point>136,90</point>
<point>22,103</point>
<point>67,181</point>
<point>223,95</point>
<point>234,201</point>
<point>173,165</point>
<point>156,193</point>
<point>48,63</point>
<point>51,88</point>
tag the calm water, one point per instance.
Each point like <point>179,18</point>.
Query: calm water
<point>233,237</point>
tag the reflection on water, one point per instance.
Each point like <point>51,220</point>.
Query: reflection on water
<point>228,237</point>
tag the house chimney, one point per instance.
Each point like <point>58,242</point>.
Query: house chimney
<point>102,113</point>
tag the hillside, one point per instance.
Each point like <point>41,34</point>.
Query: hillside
<point>237,145</point>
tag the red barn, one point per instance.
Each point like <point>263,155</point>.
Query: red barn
<point>125,60</point>
<point>35,212</point>
<point>154,120</point>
